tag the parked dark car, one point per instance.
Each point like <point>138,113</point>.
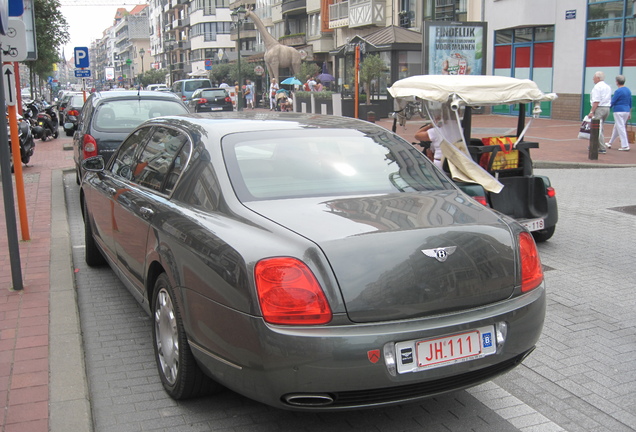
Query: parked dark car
<point>72,110</point>
<point>108,117</point>
<point>63,101</point>
<point>210,100</point>
<point>310,262</point>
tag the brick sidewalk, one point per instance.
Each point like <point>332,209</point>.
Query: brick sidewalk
<point>24,315</point>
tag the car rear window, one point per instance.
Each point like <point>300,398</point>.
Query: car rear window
<point>191,86</point>
<point>325,163</point>
<point>213,93</point>
<point>76,101</point>
<point>125,115</point>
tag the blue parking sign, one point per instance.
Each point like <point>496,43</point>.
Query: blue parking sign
<point>81,57</point>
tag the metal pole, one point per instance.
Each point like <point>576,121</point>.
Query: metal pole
<point>9,204</point>
<point>239,101</point>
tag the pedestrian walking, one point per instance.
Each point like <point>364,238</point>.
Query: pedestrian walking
<point>622,107</point>
<point>249,94</point>
<point>600,98</point>
<point>273,88</point>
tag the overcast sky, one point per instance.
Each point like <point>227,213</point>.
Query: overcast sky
<point>86,24</point>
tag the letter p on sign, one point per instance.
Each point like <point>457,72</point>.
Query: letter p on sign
<point>81,57</point>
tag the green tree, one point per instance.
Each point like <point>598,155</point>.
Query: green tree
<point>307,69</point>
<point>51,30</point>
<point>223,72</point>
<point>372,67</point>
<point>154,76</point>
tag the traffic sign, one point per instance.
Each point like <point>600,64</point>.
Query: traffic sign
<point>81,57</point>
<point>82,73</point>
<point>14,41</point>
<point>8,80</point>
<point>16,8</point>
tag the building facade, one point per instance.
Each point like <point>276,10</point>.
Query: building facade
<point>557,43</point>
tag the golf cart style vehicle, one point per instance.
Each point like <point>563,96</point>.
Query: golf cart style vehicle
<point>496,171</point>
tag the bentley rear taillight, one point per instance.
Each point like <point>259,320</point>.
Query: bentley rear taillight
<point>89,146</point>
<point>289,293</point>
<point>531,270</point>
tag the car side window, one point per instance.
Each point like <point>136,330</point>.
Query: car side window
<point>124,160</point>
<point>156,160</point>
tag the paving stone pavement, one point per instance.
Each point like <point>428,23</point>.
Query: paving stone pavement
<point>582,376</point>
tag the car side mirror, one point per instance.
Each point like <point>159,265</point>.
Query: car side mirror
<point>94,164</point>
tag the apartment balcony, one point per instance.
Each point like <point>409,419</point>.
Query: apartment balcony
<point>177,23</point>
<point>357,13</point>
<point>292,7</point>
<point>339,15</point>
<point>248,31</point>
<point>167,27</point>
<point>294,40</point>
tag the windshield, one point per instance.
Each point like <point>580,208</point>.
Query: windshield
<point>445,120</point>
<point>322,162</point>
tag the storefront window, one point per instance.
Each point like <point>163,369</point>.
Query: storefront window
<point>409,63</point>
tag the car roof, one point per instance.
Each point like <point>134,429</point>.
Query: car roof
<point>221,124</point>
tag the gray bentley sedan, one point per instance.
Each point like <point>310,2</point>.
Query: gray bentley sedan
<point>310,262</point>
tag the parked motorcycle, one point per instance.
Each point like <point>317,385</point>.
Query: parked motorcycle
<point>27,143</point>
<point>48,122</point>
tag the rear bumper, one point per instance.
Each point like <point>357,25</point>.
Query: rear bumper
<point>291,367</point>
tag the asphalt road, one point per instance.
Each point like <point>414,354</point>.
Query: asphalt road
<point>581,377</point>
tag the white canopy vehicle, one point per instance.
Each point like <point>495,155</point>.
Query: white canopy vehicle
<point>496,170</point>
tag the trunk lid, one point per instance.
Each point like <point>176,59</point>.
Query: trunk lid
<point>385,251</point>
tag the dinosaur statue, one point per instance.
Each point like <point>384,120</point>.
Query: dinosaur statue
<point>276,55</point>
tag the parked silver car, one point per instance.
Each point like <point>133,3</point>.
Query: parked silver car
<point>310,262</point>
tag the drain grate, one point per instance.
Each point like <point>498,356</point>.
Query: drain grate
<point>630,210</point>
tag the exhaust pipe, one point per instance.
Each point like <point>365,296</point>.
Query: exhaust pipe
<point>308,400</point>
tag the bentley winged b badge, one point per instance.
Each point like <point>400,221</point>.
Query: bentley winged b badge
<point>440,254</point>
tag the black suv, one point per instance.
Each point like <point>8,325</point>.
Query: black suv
<point>108,117</point>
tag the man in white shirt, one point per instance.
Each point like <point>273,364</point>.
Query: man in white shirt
<point>601,99</point>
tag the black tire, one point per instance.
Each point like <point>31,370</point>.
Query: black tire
<point>56,133</point>
<point>543,235</point>
<point>26,159</point>
<point>69,133</point>
<point>180,375</point>
<point>92,255</point>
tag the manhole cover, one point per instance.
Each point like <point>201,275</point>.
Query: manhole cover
<point>631,210</point>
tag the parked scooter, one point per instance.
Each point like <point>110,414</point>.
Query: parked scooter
<point>27,143</point>
<point>48,122</point>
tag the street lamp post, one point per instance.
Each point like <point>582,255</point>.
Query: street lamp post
<point>238,17</point>
<point>141,53</point>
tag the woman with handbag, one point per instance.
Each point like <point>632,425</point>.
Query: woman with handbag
<point>622,108</point>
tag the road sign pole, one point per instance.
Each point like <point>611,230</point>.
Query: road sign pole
<point>9,204</point>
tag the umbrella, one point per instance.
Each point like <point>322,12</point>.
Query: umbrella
<point>325,77</point>
<point>291,80</point>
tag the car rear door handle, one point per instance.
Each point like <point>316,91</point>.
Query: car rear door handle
<point>146,212</point>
